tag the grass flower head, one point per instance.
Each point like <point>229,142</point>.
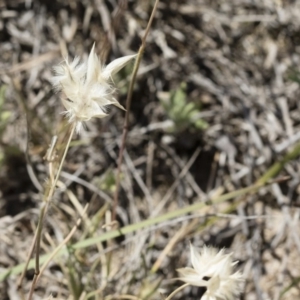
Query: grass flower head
<point>214,270</point>
<point>86,87</point>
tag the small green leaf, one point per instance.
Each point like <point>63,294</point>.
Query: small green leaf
<point>2,95</point>
<point>200,124</point>
<point>5,116</point>
<point>179,96</point>
<point>182,112</point>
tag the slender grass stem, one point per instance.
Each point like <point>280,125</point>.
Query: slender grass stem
<point>64,242</point>
<point>128,105</point>
<point>177,290</point>
<point>47,199</point>
<point>27,261</point>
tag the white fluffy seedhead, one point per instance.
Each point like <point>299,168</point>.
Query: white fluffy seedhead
<point>86,88</point>
<point>214,270</point>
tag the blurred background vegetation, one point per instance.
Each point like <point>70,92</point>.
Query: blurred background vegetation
<point>215,108</point>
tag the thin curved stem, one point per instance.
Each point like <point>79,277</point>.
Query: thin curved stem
<point>63,243</point>
<point>128,105</point>
<point>27,261</point>
<point>48,197</point>
<point>176,291</point>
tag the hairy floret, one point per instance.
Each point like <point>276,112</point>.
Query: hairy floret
<point>86,88</point>
<point>214,270</point>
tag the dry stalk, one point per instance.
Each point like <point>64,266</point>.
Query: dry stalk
<point>128,105</point>
<point>47,199</point>
<point>64,242</point>
<point>177,290</point>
